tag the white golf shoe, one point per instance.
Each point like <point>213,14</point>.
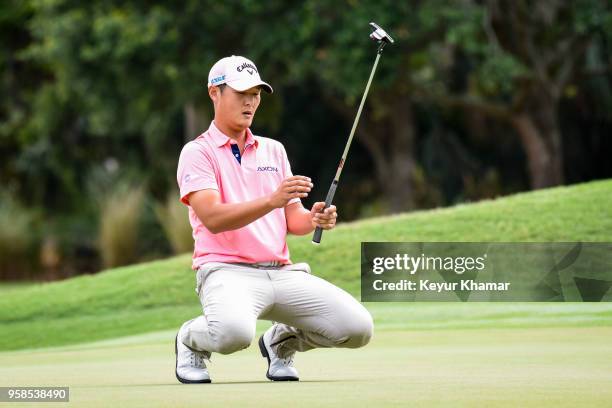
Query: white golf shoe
<point>190,366</point>
<point>279,369</point>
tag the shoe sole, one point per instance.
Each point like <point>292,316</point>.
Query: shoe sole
<point>264,353</point>
<point>184,381</point>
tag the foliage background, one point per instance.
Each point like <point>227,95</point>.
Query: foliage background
<point>476,99</point>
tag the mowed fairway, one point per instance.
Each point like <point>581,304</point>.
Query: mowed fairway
<point>110,336</point>
<point>482,366</point>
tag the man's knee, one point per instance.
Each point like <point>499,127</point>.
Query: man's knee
<point>358,331</point>
<point>233,336</point>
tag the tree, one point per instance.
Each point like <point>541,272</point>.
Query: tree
<point>127,82</point>
<point>528,53</point>
<point>329,42</point>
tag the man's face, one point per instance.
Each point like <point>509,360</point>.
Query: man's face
<point>236,109</point>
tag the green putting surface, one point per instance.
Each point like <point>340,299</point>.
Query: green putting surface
<point>526,367</point>
<point>110,336</point>
<point>160,295</point>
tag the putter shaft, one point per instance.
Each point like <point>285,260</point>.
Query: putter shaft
<point>316,238</point>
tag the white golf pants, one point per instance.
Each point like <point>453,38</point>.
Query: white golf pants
<point>309,312</point>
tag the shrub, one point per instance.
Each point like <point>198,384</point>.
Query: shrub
<point>17,237</point>
<point>120,213</point>
<point>173,217</point>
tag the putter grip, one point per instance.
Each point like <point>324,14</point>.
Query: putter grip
<point>316,238</point>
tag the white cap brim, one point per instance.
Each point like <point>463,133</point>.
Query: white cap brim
<point>243,85</point>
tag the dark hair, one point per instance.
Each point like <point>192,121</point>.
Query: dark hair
<point>221,87</point>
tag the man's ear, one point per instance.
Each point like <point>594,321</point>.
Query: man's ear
<point>214,92</point>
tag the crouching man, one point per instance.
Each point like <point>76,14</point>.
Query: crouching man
<point>243,201</point>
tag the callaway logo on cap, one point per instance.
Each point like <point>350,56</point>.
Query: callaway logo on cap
<point>238,72</point>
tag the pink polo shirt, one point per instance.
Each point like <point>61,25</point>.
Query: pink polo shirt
<point>208,163</point>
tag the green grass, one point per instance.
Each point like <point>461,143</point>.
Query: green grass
<point>6,287</point>
<point>486,367</point>
<point>160,295</point>
<point>111,334</point>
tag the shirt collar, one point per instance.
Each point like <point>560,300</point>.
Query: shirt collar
<point>221,139</point>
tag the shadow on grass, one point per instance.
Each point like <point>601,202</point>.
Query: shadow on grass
<point>214,383</point>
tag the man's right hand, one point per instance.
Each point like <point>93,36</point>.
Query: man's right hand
<point>291,187</point>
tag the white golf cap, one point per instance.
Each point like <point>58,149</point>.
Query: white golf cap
<point>238,72</point>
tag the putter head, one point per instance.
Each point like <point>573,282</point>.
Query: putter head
<point>380,35</point>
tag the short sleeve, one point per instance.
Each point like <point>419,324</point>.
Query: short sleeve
<point>195,171</point>
<point>287,171</point>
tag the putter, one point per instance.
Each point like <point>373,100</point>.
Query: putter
<point>379,35</point>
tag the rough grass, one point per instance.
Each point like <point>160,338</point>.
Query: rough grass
<point>160,295</point>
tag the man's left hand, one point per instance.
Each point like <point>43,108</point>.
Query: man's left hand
<point>327,219</point>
